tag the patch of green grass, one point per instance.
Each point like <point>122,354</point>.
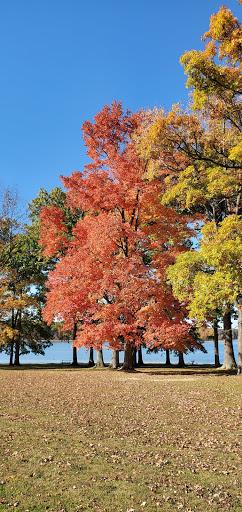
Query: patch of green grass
<point>108,441</point>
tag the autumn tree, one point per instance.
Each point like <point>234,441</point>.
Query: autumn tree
<point>111,274</point>
<point>212,277</point>
<point>12,217</point>
<point>197,152</point>
<point>22,279</point>
<point>222,249</point>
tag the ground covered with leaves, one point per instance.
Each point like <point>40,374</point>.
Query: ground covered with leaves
<point>108,441</point>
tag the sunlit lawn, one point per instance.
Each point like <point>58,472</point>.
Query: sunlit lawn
<point>106,440</point>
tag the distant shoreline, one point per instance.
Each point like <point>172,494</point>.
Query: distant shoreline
<point>212,341</point>
<point>71,341</point>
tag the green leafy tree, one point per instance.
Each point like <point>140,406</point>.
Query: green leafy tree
<point>56,201</point>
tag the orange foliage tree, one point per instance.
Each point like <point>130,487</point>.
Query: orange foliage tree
<point>110,277</point>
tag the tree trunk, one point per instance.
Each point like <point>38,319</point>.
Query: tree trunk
<point>181,363</point>
<point>74,357</point>
<point>140,357</point>
<point>74,350</point>
<point>100,362</point>
<point>134,352</point>
<point>91,359</point>
<point>114,359</point>
<point>17,350</point>
<point>128,358</point>
<point>17,342</point>
<point>168,362</point>
<point>12,341</point>
<point>11,352</point>
<point>215,337</point>
<point>229,360</point>
<point>239,340</point>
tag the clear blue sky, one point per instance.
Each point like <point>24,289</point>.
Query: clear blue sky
<point>62,60</point>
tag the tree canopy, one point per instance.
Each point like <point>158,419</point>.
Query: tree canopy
<point>111,278</point>
<point>196,152</point>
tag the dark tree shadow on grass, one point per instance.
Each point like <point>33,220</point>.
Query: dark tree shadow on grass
<point>147,369</point>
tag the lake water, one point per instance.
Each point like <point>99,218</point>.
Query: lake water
<point>62,352</point>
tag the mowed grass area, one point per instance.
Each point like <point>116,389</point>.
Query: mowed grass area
<point>102,440</point>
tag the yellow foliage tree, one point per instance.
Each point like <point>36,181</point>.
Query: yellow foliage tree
<point>197,151</point>
<point>212,278</point>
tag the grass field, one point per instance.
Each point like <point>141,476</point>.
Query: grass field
<point>108,441</point>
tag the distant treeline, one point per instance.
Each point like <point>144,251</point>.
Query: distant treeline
<point>207,334</point>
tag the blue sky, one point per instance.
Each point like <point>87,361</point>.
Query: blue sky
<point>62,60</point>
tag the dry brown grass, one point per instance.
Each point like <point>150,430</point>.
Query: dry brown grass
<point>109,441</point>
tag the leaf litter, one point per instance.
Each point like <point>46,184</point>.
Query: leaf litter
<point>110,442</point>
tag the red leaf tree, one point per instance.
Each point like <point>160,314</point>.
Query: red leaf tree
<point>110,278</point>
